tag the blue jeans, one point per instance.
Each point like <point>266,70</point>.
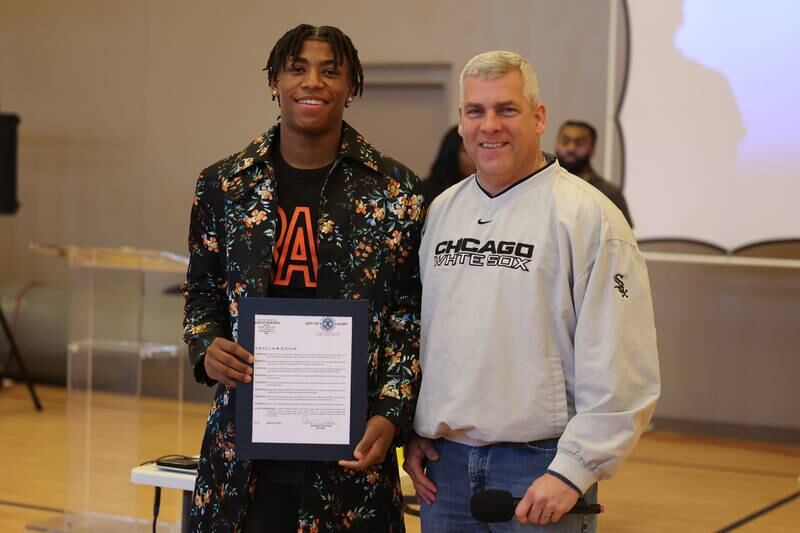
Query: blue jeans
<point>463,470</point>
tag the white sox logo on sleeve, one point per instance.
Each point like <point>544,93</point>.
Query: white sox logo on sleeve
<point>473,252</point>
<point>620,286</point>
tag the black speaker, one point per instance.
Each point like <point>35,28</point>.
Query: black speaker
<point>8,163</point>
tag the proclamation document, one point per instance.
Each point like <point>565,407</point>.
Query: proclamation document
<point>308,397</point>
<point>301,379</point>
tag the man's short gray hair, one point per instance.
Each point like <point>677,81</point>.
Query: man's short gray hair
<point>494,64</point>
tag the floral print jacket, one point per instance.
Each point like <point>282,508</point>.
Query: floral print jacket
<point>370,220</point>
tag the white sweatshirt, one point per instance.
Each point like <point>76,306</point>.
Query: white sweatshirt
<point>537,322</point>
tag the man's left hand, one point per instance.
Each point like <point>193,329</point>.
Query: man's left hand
<point>546,501</point>
<point>374,444</point>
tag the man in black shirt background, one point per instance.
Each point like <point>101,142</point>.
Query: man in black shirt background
<point>574,149</point>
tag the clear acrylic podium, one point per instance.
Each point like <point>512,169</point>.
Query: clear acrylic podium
<point>125,361</point>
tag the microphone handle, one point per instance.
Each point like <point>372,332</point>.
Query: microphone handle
<point>579,508</point>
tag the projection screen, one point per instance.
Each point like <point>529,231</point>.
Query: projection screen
<point>710,120</point>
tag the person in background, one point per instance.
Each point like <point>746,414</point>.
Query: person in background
<point>574,150</point>
<point>452,165</point>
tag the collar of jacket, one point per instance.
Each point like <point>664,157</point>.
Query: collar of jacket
<point>245,169</point>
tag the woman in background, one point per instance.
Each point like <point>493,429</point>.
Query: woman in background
<point>452,165</point>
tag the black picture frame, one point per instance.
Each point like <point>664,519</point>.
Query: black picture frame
<point>358,310</point>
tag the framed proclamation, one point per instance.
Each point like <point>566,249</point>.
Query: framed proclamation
<point>308,397</point>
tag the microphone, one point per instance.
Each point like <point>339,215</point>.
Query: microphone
<point>498,506</point>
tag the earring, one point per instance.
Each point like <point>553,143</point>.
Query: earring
<point>274,94</point>
<point>348,101</point>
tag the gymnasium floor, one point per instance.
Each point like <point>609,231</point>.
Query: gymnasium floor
<point>672,483</point>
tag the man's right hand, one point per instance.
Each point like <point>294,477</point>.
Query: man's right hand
<point>418,452</point>
<point>227,362</point>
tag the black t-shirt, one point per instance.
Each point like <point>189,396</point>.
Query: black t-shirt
<point>613,193</point>
<point>295,260</point>
<point>294,271</point>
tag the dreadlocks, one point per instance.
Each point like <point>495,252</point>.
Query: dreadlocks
<point>292,41</point>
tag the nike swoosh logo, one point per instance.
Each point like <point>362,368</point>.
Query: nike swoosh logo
<point>483,221</point>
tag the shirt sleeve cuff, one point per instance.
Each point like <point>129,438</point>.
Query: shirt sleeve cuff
<point>199,372</point>
<point>391,408</point>
<point>572,471</point>
<point>565,480</point>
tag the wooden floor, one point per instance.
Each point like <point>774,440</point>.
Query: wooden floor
<point>77,455</point>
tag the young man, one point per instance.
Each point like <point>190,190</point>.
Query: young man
<point>538,346</point>
<point>310,210</point>
<point>574,150</point>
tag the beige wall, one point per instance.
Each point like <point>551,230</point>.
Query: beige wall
<point>122,103</point>
<point>728,338</point>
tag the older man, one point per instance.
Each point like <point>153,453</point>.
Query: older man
<point>539,358</point>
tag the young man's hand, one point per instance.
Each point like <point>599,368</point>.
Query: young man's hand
<point>227,362</point>
<point>374,444</point>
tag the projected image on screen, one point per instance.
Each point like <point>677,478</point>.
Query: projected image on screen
<point>710,125</point>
